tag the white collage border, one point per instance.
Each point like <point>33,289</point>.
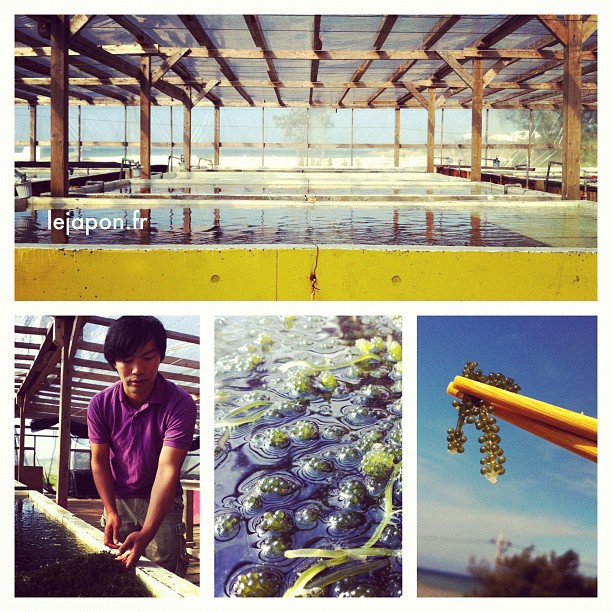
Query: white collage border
<point>409,310</point>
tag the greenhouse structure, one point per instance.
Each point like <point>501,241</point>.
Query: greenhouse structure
<point>306,157</point>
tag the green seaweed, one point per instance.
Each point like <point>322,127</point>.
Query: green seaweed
<point>90,575</point>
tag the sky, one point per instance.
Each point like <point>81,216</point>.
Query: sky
<point>548,496</point>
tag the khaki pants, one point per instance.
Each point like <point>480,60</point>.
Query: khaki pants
<point>167,548</point>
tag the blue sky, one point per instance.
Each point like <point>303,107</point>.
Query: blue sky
<point>548,496</point>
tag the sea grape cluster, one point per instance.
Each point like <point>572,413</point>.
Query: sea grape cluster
<point>311,459</point>
<point>475,411</point>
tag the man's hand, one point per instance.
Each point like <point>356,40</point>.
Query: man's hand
<point>111,530</point>
<point>133,548</point>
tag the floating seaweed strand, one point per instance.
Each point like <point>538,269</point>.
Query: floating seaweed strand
<point>475,411</point>
<point>304,365</point>
<point>305,584</point>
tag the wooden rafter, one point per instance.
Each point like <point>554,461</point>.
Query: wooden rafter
<point>384,30</point>
<point>464,54</point>
<point>25,81</point>
<point>192,23</point>
<point>555,27</point>
<point>317,45</point>
<point>170,60</point>
<point>78,22</point>
<point>108,73</point>
<point>441,27</point>
<point>91,51</point>
<point>506,27</point>
<point>259,38</point>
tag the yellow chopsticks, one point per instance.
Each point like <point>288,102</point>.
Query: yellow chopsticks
<point>570,430</point>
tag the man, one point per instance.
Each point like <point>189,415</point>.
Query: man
<point>140,430</point>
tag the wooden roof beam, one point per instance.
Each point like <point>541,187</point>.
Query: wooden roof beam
<point>384,29</point>
<point>502,30</point>
<point>259,38</point>
<point>458,68</point>
<point>192,24</point>
<point>167,64</point>
<point>498,33</point>
<point>141,37</point>
<point>555,27</point>
<point>441,27</point>
<point>147,42</point>
<point>91,51</point>
<point>205,93</point>
<point>417,94</point>
<point>589,27</point>
<point>77,23</point>
<point>46,360</point>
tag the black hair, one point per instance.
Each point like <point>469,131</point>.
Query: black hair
<point>127,334</point>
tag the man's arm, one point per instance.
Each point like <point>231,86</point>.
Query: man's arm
<point>162,495</point>
<point>100,467</point>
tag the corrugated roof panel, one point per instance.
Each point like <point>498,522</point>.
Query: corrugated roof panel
<point>227,31</point>
<point>165,30</point>
<point>102,30</point>
<point>293,70</point>
<point>249,69</point>
<point>337,70</point>
<point>349,31</point>
<point>327,95</point>
<point>288,32</point>
<point>423,70</point>
<point>204,68</point>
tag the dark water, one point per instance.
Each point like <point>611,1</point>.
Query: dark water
<point>313,472</point>
<point>40,540</point>
<point>322,225</point>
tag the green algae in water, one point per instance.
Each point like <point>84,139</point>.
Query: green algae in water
<point>92,575</point>
<point>308,457</point>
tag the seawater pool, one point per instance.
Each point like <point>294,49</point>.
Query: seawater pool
<point>308,456</point>
<point>444,224</point>
<point>40,540</point>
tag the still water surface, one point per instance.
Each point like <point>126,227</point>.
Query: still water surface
<point>475,226</point>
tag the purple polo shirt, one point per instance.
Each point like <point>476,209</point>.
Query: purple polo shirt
<point>136,435</point>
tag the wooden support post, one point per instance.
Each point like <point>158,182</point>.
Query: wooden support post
<point>572,109</point>
<point>125,130</point>
<point>62,332</point>
<point>187,136</point>
<point>431,131</point>
<point>263,136</point>
<point>396,147</point>
<point>486,138</point>
<point>308,138</point>
<point>22,410</point>
<point>352,135</point>
<point>145,116</point>
<point>529,145</point>
<point>59,28</point>
<point>217,133</point>
<point>476,169</point>
<point>33,140</point>
<point>78,133</point>
<point>442,137</point>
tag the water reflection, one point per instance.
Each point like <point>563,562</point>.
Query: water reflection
<point>306,224</point>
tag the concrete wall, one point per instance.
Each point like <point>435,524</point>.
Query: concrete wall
<point>283,273</point>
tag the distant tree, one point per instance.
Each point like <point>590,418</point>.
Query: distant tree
<point>299,129</point>
<point>548,124</point>
<point>524,575</point>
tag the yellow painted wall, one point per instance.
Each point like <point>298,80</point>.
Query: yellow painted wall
<point>270,273</point>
